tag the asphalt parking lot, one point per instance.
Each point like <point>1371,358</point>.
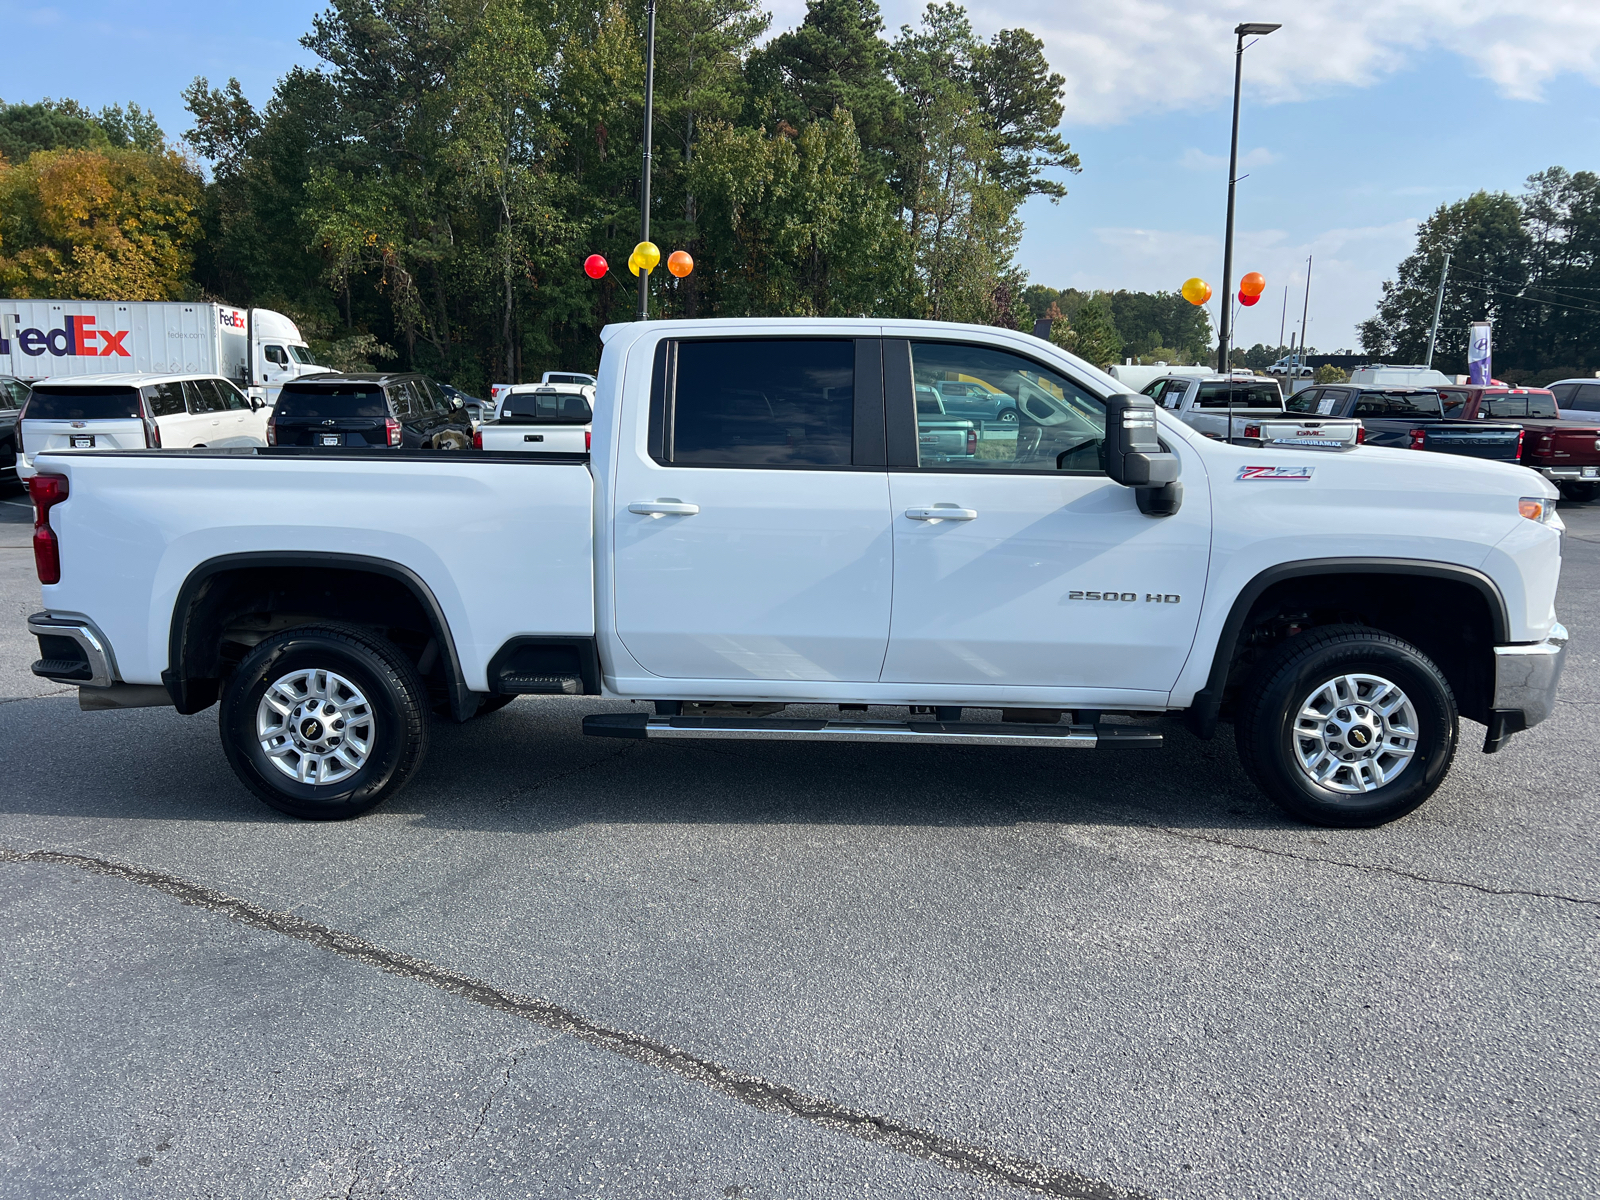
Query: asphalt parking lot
<point>559,966</point>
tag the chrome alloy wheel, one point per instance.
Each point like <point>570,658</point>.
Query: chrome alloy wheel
<point>1355,733</point>
<point>316,727</point>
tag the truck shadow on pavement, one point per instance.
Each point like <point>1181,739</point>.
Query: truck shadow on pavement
<point>529,769</point>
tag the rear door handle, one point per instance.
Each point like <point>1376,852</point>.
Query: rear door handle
<point>663,508</point>
<point>942,512</point>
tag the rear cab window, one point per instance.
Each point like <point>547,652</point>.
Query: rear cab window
<point>1532,404</point>
<point>1398,404</point>
<point>545,408</point>
<point>317,402</point>
<point>84,403</point>
<point>1239,395</point>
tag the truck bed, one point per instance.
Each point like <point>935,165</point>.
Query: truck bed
<point>502,541</point>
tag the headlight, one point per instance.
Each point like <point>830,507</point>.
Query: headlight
<point>1537,508</point>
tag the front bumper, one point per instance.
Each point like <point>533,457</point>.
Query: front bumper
<point>1526,676</point>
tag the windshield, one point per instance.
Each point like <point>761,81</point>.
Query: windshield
<point>1239,395</point>
<point>1398,404</point>
<point>301,355</point>
<point>83,403</point>
<point>332,400</point>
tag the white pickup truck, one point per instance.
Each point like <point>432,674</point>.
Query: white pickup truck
<point>540,419</point>
<point>755,529</point>
<point>1249,409</point>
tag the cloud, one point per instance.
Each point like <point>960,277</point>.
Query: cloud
<point>1194,159</point>
<point>1132,57</point>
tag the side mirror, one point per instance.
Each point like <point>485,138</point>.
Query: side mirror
<point>1134,457</point>
<point>255,404</point>
<point>457,402</point>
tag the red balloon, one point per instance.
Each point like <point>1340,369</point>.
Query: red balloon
<point>1247,301</point>
<point>594,266</point>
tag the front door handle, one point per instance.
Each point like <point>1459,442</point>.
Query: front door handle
<point>663,508</point>
<point>942,512</point>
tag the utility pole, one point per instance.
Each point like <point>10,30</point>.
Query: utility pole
<point>649,121</point>
<point>1438,303</point>
<point>1247,29</point>
<point>1305,315</point>
<point>1283,321</point>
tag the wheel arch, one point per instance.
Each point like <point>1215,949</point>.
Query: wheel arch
<point>1478,601</point>
<point>192,677</point>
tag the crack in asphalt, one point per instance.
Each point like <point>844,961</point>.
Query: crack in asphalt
<point>765,1096</point>
<point>1376,869</point>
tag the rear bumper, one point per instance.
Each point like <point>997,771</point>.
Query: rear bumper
<point>1526,677</point>
<point>91,666</point>
<point>1570,474</point>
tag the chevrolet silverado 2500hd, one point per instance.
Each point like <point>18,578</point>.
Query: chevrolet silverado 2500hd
<point>757,526</point>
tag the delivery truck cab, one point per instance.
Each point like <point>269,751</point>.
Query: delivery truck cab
<point>255,348</point>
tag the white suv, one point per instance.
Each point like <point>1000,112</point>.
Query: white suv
<point>136,412</point>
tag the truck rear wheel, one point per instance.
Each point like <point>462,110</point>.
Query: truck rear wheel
<point>325,722</point>
<point>1347,726</point>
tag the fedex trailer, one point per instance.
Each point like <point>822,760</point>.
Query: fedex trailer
<point>254,347</point>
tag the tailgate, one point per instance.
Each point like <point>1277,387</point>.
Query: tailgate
<point>40,436</point>
<point>1569,448</point>
<point>1501,444</point>
<point>1334,434</point>
<point>536,439</point>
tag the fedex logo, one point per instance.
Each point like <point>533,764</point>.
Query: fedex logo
<point>230,317</point>
<point>80,337</point>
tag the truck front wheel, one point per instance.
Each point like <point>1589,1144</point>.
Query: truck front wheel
<point>325,721</point>
<point>1347,726</point>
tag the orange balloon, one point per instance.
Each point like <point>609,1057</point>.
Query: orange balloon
<point>1253,284</point>
<point>679,263</point>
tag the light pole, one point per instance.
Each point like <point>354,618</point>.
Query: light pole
<point>649,119</point>
<point>1248,29</point>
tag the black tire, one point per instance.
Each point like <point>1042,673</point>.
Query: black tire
<point>397,703</point>
<point>1579,493</point>
<point>1265,726</point>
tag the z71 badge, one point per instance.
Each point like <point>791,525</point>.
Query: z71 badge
<point>1292,473</point>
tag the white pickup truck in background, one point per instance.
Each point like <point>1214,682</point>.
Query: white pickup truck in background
<point>540,419</point>
<point>1250,410</point>
<point>757,528</point>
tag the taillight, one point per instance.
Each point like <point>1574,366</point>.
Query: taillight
<point>393,427</point>
<point>1521,434</point>
<point>1418,438</point>
<point>272,430</point>
<point>477,439</point>
<point>588,441</point>
<point>1252,431</point>
<point>152,434</point>
<point>972,441</point>
<point>1361,435</point>
<point>47,491</point>
<point>22,416</point>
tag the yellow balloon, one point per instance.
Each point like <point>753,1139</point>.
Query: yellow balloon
<point>1196,290</point>
<point>633,263</point>
<point>648,254</point>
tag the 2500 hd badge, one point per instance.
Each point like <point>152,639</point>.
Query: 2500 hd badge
<point>1127,597</point>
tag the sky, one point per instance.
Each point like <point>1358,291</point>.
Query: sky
<point>1359,118</point>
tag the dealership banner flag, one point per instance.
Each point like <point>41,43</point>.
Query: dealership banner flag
<point>1478,369</point>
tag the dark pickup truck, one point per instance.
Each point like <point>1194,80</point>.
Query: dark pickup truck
<point>1412,418</point>
<point>1564,451</point>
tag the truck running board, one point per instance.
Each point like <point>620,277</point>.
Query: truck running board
<point>938,733</point>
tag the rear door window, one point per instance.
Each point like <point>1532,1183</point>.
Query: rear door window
<point>165,399</point>
<point>400,397</point>
<point>1586,399</point>
<point>83,403</point>
<point>763,402</point>
<point>1398,404</point>
<point>1303,401</point>
<point>307,402</point>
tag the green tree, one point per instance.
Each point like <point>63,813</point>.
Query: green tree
<point>1090,331</point>
<point>48,125</point>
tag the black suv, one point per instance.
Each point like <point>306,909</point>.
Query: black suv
<point>13,395</point>
<point>339,411</point>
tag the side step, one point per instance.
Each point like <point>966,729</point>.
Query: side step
<point>539,685</point>
<point>938,733</point>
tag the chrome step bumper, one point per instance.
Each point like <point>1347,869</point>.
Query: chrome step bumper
<point>935,733</point>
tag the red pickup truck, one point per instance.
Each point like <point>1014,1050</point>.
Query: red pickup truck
<point>1566,452</point>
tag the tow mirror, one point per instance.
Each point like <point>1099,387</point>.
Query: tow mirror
<point>1135,459</point>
